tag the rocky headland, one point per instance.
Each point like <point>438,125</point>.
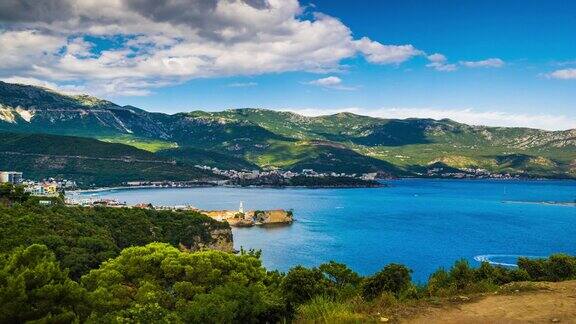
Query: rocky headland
<point>251,217</point>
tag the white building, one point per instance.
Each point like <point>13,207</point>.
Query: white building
<point>10,177</point>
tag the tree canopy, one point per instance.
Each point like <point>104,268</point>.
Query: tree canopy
<point>82,238</point>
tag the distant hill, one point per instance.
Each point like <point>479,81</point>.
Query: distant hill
<point>207,158</point>
<point>89,161</point>
<point>343,142</point>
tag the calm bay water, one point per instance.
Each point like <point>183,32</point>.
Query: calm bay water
<point>424,224</point>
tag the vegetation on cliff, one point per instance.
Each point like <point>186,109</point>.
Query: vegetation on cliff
<point>10,194</point>
<point>83,238</point>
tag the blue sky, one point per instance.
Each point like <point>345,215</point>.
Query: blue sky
<point>510,63</point>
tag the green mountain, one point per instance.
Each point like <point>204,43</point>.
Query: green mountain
<point>249,138</point>
<point>206,157</point>
<point>89,161</point>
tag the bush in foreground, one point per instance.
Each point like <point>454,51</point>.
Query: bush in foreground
<point>154,282</point>
<point>394,278</point>
<point>159,283</point>
<point>33,287</point>
<point>557,267</point>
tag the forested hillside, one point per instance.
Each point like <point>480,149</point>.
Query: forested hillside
<point>88,161</point>
<point>342,142</point>
<point>83,238</point>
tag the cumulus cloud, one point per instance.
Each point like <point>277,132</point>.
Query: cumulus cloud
<point>331,82</point>
<point>23,49</point>
<point>167,42</point>
<point>467,116</point>
<point>35,11</point>
<point>564,74</point>
<point>385,54</point>
<point>66,89</point>
<point>491,62</point>
<point>439,62</point>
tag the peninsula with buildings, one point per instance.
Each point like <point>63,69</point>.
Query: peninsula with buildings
<point>236,218</point>
<point>47,189</point>
<point>248,218</point>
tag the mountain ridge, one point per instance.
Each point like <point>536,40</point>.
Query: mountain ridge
<point>280,139</point>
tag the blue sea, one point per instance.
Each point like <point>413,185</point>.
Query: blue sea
<point>422,223</point>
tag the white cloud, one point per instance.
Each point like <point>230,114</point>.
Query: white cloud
<point>491,62</point>
<point>21,49</point>
<point>439,62</point>
<point>437,58</point>
<point>31,81</point>
<point>327,82</point>
<point>564,74</point>
<point>171,42</point>
<point>242,84</point>
<point>385,54</point>
<point>467,116</point>
<point>331,82</point>
<point>66,89</point>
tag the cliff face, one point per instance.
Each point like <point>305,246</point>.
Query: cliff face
<point>220,239</point>
<point>251,217</point>
<point>274,217</point>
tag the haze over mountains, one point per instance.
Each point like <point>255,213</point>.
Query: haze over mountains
<point>258,138</point>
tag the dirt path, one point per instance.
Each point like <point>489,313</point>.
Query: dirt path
<point>556,303</point>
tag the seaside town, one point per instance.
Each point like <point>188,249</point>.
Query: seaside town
<point>256,174</point>
<point>45,188</point>
<point>434,171</point>
<point>51,188</point>
<point>467,173</point>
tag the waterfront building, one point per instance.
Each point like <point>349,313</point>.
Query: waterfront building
<point>10,177</point>
<point>50,188</point>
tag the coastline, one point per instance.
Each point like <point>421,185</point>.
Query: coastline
<point>383,185</point>
<point>104,189</point>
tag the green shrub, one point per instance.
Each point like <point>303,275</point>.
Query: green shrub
<point>34,288</point>
<point>339,274</point>
<point>393,278</point>
<point>519,275</point>
<point>302,284</point>
<point>342,280</point>
<point>536,268</point>
<point>462,275</point>
<point>500,275</point>
<point>438,282</point>
<point>556,268</point>
<point>561,267</point>
<point>323,309</point>
<point>158,283</point>
<point>464,279</point>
